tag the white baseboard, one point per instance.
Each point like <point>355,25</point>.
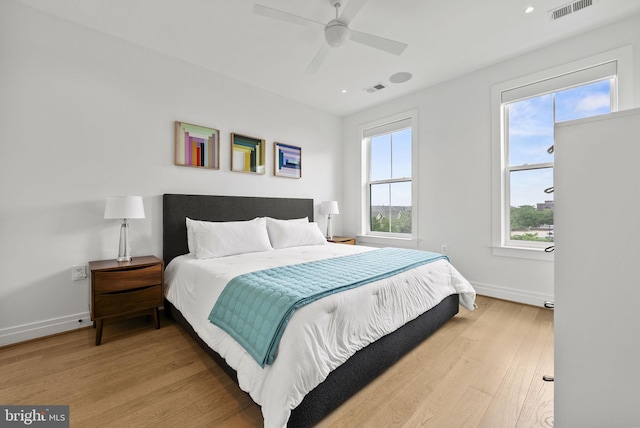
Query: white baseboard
<point>38,329</point>
<point>514,295</point>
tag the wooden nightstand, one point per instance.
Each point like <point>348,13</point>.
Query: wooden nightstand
<point>121,289</point>
<point>343,240</point>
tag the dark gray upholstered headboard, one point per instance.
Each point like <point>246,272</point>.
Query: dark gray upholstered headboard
<point>220,208</point>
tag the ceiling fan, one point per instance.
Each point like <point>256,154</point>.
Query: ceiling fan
<point>336,31</point>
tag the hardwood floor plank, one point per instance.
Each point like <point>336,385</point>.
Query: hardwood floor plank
<point>469,410</point>
<point>507,403</point>
<point>537,409</point>
<point>483,368</point>
<point>437,406</point>
<point>499,342</point>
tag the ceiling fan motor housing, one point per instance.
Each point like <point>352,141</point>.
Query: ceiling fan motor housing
<point>336,33</point>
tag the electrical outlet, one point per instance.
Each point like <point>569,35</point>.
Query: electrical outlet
<point>444,249</point>
<point>79,272</point>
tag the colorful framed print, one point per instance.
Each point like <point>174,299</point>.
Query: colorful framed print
<point>197,146</point>
<point>247,154</point>
<point>287,161</point>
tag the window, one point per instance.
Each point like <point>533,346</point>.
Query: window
<point>529,146</point>
<point>389,178</point>
<point>527,109</point>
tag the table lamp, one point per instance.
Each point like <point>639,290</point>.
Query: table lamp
<point>329,208</point>
<point>125,208</point>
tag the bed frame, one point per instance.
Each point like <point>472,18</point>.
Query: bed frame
<point>364,366</point>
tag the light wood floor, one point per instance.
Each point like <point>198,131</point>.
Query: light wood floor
<point>482,369</point>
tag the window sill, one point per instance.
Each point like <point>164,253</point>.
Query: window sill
<point>387,241</point>
<point>522,253</point>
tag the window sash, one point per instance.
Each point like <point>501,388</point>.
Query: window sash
<point>530,167</point>
<point>390,218</point>
<point>507,209</point>
<point>390,180</point>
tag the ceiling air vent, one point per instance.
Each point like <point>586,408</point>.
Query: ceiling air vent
<point>570,8</point>
<point>560,12</point>
<point>375,88</point>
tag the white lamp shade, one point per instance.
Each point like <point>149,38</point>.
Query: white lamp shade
<point>329,207</point>
<point>124,207</point>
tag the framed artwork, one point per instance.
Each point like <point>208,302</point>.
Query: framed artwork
<point>287,161</point>
<point>247,154</point>
<point>197,146</point>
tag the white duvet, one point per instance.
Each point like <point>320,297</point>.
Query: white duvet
<point>320,336</point>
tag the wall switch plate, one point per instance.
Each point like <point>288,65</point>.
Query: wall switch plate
<point>444,249</point>
<point>79,272</point>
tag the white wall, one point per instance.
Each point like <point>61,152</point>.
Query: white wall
<point>596,322</point>
<point>455,158</point>
<point>84,116</point>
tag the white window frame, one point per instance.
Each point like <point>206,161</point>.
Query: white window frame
<point>365,132</point>
<point>557,78</point>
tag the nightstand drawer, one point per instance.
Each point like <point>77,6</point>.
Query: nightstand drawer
<point>110,281</point>
<point>129,301</point>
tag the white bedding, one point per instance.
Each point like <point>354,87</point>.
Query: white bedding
<point>320,336</point>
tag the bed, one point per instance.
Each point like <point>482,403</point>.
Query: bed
<point>334,385</point>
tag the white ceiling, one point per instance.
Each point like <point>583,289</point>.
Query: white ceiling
<point>446,38</point>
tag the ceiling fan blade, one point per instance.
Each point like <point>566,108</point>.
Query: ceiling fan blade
<point>318,59</point>
<point>351,10</point>
<point>269,12</point>
<point>378,42</point>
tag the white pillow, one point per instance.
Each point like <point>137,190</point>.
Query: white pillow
<point>191,240</point>
<point>219,239</point>
<point>275,221</point>
<point>293,234</point>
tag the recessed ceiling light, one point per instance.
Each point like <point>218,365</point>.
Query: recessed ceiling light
<point>344,91</point>
<point>400,77</point>
<point>529,9</point>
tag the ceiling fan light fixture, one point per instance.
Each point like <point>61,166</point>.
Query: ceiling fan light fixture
<point>336,33</point>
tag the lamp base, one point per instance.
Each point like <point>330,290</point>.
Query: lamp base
<point>124,249</point>
<point>329,228</point>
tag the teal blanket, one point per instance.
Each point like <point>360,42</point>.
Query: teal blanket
<point>255,308</point>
